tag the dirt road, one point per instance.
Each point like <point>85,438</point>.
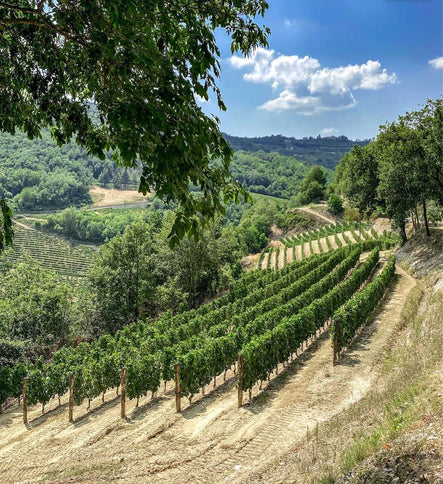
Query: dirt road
<point>211,441</point>
<point>314,213</point>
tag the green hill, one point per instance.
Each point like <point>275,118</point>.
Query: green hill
<point>70,260</point>
<point>325,151</point>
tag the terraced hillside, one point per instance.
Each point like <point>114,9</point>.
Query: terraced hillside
<point>267,311</point>
<point>65,258</point>
<point>299,246</point>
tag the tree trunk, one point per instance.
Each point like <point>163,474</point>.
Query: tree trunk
<point>425,218</point>
<point>404,238</point>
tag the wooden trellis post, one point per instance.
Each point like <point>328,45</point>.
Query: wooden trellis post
<point>71,398</point>
<point>240,379</point>
<point>336,352</point>
<point>25,402</point>
<point>177,388</point>
<point>123,393</point>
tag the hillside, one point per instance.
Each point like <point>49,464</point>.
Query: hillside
<point>37,175</point>
<point>324,151</point>
<point>68,259</point>
<point>306,423</point>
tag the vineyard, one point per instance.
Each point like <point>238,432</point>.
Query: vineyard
<point>266,318</point>
<point>323,239</point>
<point>52,252</point>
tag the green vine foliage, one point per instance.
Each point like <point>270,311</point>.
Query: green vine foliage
<point>352,315</point>
<point>266,323</point>
<point>263,354</point>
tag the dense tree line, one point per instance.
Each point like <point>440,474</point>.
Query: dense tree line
<point>323,151</point>
<point>401,172</point>
<point>93,226</point>
<point>35,305</point>
<point>39,175</point>
<point>268,173</point>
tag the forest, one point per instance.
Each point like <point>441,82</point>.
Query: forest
<point>324,151</point>
<point>37,175</point>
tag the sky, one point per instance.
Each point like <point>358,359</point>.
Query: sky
<point>341,67</point>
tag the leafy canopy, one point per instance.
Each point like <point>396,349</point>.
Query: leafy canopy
<point>124,76</point>
<point>401,169</point>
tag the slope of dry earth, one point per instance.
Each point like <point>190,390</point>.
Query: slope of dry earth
<point>210,441</point>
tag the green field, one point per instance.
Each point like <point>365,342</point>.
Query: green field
<point>69,259</point>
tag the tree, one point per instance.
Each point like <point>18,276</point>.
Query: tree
<point>335,204</point>
<point>427,123</point>
<point>122,277</point>
<point>6,231</point>
<point>403,174</point>
<point>401,170</point>
<point>35,305</point>
<point>125,77</point>
<point>357,178</point>
<point>312,188</point>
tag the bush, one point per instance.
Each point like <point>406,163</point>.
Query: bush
<point>335,204</point>
<point>352,215</point>
<point>11,352</point>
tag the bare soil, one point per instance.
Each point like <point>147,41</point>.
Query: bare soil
<point>109,196</point>
<point>381,224</point>
<point>211,441</point>
<point>318,213</point>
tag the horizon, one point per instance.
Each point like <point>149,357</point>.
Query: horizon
<point>339,68</point>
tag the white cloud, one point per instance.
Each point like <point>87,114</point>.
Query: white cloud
<point>437,63</point>
<point>344,79</point>
<point>287,22</point>
<point>329,132</point>
<point>259,56</point>
<point>200,100</point>
<point>307,87</point>
<point>309,105</point>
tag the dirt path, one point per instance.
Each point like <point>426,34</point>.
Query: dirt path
<point>316,246</point>
<point>211,441</point>
<point>316,214</point>
<point>331,239</point>
<point>306,249</point>
<point>298,252</point>
<point>26,227</point>
<point>289,255</point>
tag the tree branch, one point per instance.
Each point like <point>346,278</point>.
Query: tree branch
<point>9,6</point>
<point>40,22</point>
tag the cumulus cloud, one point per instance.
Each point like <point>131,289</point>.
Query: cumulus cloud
<point>344,79</point>
<point>307,87</point>
<point>309,105</point>
<point>437,63</point>
<point>329,132</point>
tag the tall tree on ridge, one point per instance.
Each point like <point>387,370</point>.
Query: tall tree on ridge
<point>125,77</point>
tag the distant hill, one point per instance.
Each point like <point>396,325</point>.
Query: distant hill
<point>325,151</point>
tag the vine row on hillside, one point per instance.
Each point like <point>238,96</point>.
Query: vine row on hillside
<point>263,353</point>
<point>142,347</point>
<point>200,364</point>
<point>353,314</point>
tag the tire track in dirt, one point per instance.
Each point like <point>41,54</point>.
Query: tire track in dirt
<point>211,441</point>
<point>310,392</point>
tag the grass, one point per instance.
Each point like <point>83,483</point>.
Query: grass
<point>404,397</point>
<point>260,196</point>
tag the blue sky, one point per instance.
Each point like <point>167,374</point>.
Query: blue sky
<point>334,67</point>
